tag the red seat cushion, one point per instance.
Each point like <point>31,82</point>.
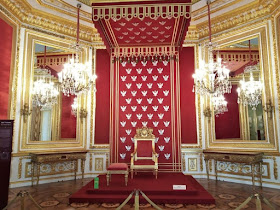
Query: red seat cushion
<point>117,166</point>
<point>144,162</point>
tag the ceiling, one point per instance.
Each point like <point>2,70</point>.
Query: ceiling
<point>59,17</point>
<point>67,9</point>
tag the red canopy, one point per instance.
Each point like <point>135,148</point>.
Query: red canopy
<point>138,25</point>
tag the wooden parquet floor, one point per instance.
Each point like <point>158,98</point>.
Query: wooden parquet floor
<point>228,196</point>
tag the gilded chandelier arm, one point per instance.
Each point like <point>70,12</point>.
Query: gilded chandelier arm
<point>25,112</point>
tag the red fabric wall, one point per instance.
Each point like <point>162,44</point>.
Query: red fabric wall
<point>102,116</point>
<point>227,124</point>
<point>6,39</point>
<point>68,120</point>
<point>187,97</point>
<point>145,108</point>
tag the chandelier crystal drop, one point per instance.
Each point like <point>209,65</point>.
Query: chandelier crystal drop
<point>76,77</point>
<point>250,92</point>
<point>45,91</point>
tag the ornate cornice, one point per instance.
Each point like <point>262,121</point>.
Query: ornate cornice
<point>239,16</point>
<point>47,22</point>
<point>216,6</point>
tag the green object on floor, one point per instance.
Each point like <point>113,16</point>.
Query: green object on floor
<point>96,183</point>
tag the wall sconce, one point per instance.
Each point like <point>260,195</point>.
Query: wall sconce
<point>268,108</point>
<point>207,113</point>
<point>25,112</point>
<point>83,113</point>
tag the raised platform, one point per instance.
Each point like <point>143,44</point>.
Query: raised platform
<point>158,190</point>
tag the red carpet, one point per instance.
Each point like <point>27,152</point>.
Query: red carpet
<point>158,190</point>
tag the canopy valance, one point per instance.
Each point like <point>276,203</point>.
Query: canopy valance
<point>136,25</point>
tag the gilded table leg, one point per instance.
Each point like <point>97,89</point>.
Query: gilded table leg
<point>207,169</point>
<point>260,171</point>
<point>75,168</point>
<point>83,168</point>
<point>215,167</point>
<point>32,173</point>
<point>253,175</point>
<point>38,172</point>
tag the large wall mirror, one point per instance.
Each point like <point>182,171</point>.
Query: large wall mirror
<point>243,120</point>
<point>242,126</point>
<point>56,124</point>
<point>56,121</point>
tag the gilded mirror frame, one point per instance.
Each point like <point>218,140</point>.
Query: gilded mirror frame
<point>31,38</point>
<point>270,144</point>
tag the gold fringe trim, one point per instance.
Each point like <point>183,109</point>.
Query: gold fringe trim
<point>128,12</point>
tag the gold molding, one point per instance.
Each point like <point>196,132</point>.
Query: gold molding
<point>194,162</point>
<point>50,23</point>
<point>201,161</point>
<point>100,146</point>
<point>276,49</point>
<point>24,142</point>
<point>20,166</point>
<point>183,161</point>
<point>98,164</point>
<point>275,169</point>
<point>202,12</point>
<point>259,29</point>
<point>235,18</point>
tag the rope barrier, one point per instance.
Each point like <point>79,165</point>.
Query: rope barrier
<point>149,201</point>
<point>22,195</point>
<point>126,200</point>
<point>136,200</point>
<point>258,202</point>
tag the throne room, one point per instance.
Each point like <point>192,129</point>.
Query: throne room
<point>139,104</point>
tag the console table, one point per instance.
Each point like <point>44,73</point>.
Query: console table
<point>52,157</point>
<point>246,158</point>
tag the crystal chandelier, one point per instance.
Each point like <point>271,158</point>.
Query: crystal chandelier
<point>45,91</point>
<point>220,104</point>
<point>211,78</point>
<point>250,92</point>
<point>76,77</point>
